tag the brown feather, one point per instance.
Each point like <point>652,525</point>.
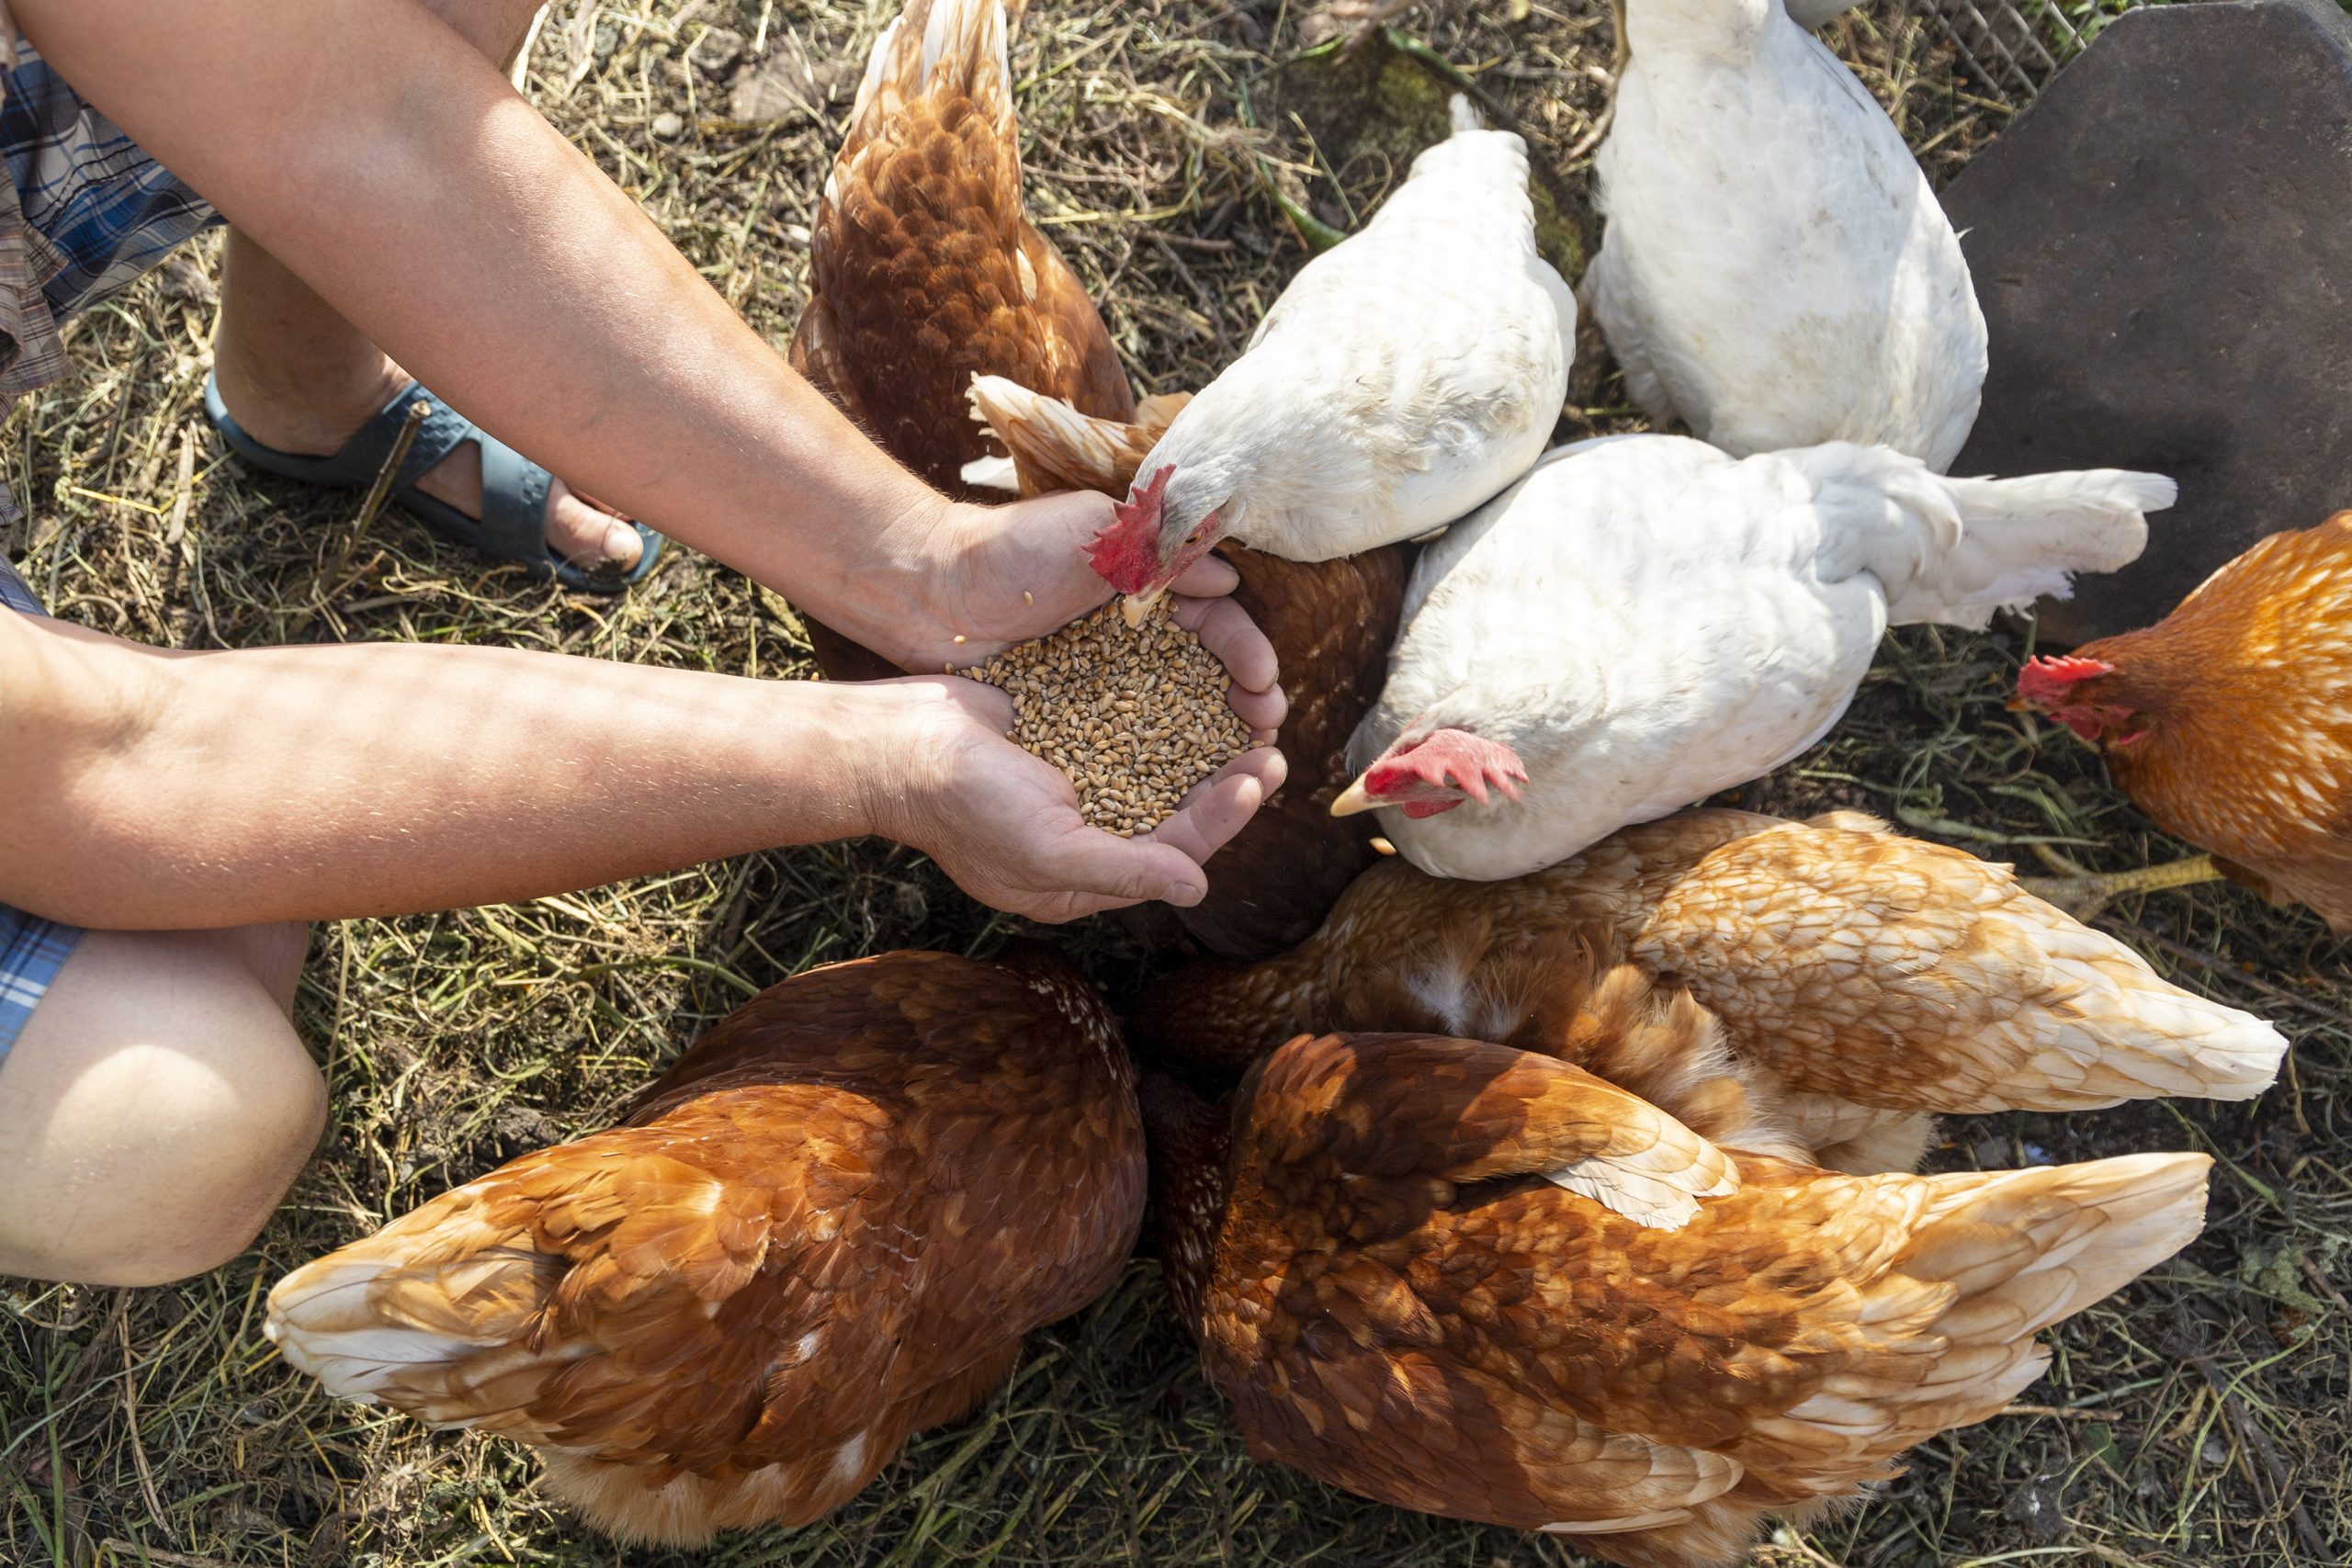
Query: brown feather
<point>1392,1301</point>
<point>1860,977</point>
<point>2248,750</point>
<point>827,1226</point>
<point>924,271</point>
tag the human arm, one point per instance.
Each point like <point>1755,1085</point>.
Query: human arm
<point>372,150</point>
<point>149,789</point>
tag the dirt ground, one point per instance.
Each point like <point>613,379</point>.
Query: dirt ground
<point>2199,1418</point>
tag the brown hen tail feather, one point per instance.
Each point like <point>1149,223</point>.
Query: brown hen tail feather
<point>1992,1260</point>
<point>1054,446</point>
<point>952,48</point>
<point>431,1315</point>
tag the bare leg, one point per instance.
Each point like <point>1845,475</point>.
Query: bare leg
<point>300,379</point>
<point>156,1106</point>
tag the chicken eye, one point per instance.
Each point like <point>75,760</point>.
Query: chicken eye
<point>1193,537</point>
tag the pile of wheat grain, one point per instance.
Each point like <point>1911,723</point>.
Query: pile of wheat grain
<point>1136,716</point>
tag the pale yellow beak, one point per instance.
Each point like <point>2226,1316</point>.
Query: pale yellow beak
<point>1353,799</point>
<point>1136,606</point>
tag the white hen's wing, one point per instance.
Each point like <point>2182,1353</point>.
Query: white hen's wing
<point>1777,271</point>
<point>1404,377</point>
<point>1644,622</point>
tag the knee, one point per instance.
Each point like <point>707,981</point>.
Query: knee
<point>148,1147</point>
<point>211,1181</point>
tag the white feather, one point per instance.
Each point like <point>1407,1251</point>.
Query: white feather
<point>1776,271</point>
<point>1404,377</point>
<point>1646,620</point>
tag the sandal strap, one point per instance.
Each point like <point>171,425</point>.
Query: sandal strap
<point>513,499</point>
<point>443,430</point>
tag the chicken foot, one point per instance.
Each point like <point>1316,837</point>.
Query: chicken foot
<point>2083,893</point>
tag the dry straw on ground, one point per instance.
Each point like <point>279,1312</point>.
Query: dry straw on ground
<point>2197,1421</point>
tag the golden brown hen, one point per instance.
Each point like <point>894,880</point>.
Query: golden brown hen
<point>1473,1280</point>
<point>1332,623</point>
<point>1862,977</point>
<point>826,1228</point>
<point>924,270</point>
<point>2227,722</point>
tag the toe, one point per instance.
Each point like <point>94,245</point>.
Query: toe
<point>588,537</point>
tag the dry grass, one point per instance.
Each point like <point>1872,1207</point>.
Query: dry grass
<point>2198,1419</point>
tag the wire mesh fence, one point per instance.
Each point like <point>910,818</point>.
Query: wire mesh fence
<point>2012,48</point>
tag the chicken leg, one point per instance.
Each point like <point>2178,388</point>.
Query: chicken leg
<point>2083,893</point>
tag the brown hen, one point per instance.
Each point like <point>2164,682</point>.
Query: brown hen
<point>924,270</point>
<point>826,1228</point>
<point>2227,722</point>
<point>1864,978</point>
<point>1473,1280</point>
<point>1332,623</point>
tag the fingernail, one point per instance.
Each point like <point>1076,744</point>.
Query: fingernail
<point>1184,895</point>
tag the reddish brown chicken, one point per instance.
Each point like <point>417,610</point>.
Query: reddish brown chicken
<point>1862,978</point>
<point>924,270</point>
<point>1473,1280</point>
<point>2227,722</point>
<point>1332,623</point>
<point>826,1228</point>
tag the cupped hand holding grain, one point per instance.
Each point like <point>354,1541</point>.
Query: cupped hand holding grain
<point>987,577</point>
<point>1006,826</point>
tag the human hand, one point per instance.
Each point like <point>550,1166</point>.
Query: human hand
<point>941,777</point>
<point>1006,574</point>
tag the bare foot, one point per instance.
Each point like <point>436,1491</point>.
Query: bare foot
<point>316,421</point>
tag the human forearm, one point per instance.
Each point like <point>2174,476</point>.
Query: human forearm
<point>151,790</point>
<point>372,150</point>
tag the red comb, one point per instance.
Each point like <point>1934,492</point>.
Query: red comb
<point>1450,758</point>
<point>2046,679</point>
<point>1126,554</point>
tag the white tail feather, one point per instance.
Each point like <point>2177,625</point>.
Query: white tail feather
<point>2024,539</point>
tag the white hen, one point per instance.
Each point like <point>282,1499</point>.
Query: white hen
<point>1775,271</point>
<point>1404,377</point>
<point>1643,621</point>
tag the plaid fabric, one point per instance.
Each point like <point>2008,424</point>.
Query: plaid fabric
<point>16,594</point>
<point>31,950</point>
<point>84,213</point>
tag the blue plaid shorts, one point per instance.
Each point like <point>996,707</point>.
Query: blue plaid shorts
<point>31,950</point>
<point>100,211</point>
